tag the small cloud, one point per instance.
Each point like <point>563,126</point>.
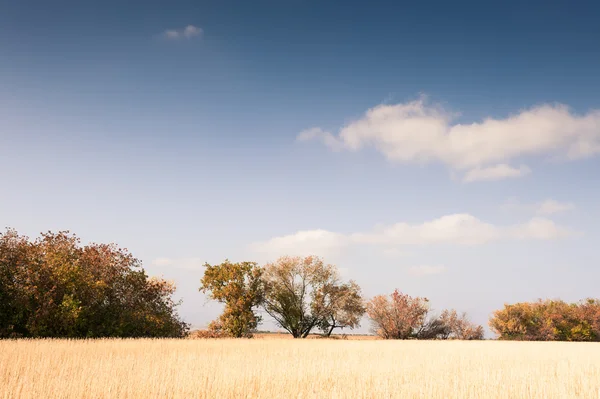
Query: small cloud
<point>316,133</point>
<point>192,31</point>
<point>497,172</point>
<point>188,32</point>
<point>550,207</point>
<point>172,34</point>
<point>302,243</point>
<point>546,207</point>
<point>540,229</point>
<point>426,270</point>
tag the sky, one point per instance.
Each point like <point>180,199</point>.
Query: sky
<point>447,149</point>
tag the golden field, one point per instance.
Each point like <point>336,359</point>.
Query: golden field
<point>282,368</point>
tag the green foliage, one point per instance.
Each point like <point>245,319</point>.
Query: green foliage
<point>340,306</point>
<point>548,320</point>
<point>239,286</point>
<point>303,293</point>
<point>54,287</point>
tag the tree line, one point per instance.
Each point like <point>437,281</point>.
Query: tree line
<point>55,287</point>
<point>548,320</point>
<point>303,295</point>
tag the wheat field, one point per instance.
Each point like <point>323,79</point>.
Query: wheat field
<point>281,368</point>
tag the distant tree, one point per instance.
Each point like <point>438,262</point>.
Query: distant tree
<point>239,286</point>
<point>58,288</point>
<point>548,320</point>
<point>397,316</point>
<point>304,293</point>
<point>588,312</point>
<point>340,306</point>
<point>400,316</point>
<point>433,328</point>
<point>459,327</point>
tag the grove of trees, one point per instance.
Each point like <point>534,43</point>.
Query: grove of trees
<point>548,320</point>
<point>54,287</point>
<point>400,316</point>
<point>304,294</point>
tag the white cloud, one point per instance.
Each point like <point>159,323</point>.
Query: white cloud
<point>188,32</point>
<point>550,206</point>
<point>417,132</point>
<point>457,229</point>
<point>546,207</point>
<point>497,172</point>
<point>539,229</point>
<point>192,31</point>
<point>181,263</point>
<point>302,243</point>
<point>172,34</point>
<point>319,134</point>
<point>426,270</point>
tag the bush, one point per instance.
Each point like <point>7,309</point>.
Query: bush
<point>400,316</point>
<point>207,334</point>
<point>54,287</point>
<point>548,320</point>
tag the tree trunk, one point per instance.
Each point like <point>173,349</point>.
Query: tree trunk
<point>330,330</point>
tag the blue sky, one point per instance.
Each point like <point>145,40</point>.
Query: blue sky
<point>447,149</point>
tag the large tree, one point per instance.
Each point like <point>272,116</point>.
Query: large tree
<point>239,286</point>
<point>341,306</point>
<point>304,293</point>
<point>397,316</point>
<point>58,288</point>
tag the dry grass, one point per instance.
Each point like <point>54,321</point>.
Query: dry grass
<point>351,337</point>
<point>271,368</point>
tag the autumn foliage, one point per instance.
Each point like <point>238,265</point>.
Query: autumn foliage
<point>54,287</point>
<point>302,294</point>
<point>400,316</point>
<point>548,320</point>
<point>240,288</point>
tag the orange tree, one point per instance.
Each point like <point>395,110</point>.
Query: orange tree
<point>548,320</point>
<point>400,316</point>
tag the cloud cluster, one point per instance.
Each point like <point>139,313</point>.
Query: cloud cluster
<point>417,132</point>
<point>188,32</point>
<point>459,229</point>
